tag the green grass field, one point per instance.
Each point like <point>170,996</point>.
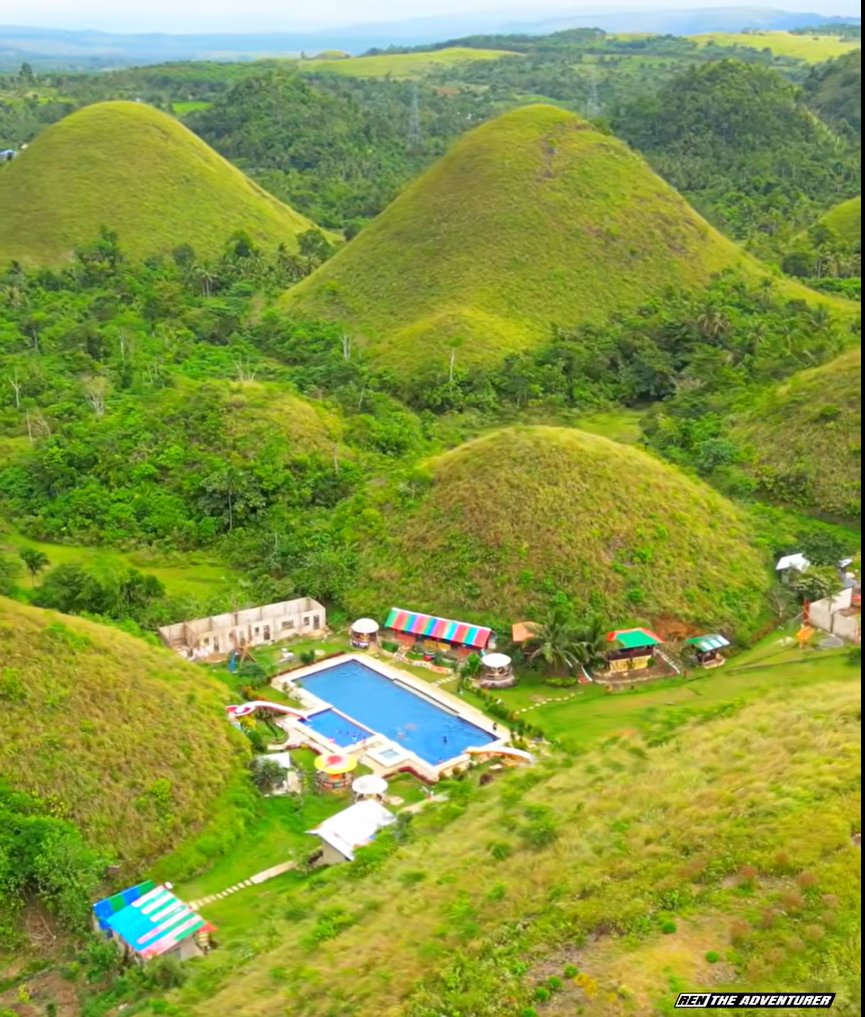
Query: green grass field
<point>532,218</point>
<point>812,48</point>
<point>182,109</point>
<point>685,855</point>
<point>139,172</point>
<point>804,438</point>
<point>400,65</point>
<point>192,576</point>
<point>512,517</point>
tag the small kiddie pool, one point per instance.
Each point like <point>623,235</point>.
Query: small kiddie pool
<point>364,701</point>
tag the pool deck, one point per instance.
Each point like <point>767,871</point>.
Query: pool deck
<point>378,752</point>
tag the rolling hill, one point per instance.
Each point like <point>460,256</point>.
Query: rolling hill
<point>123,738</point>
<point>680,858</point>
<point>846,220</point>
<point>510,518</point>
<point>139,172</point>
<point>398,66</point>
<point>804,438</point>
<point>531,219</point>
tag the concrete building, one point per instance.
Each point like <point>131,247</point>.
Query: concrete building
<point>344,833</point>
<point>254,626</point>
<point>840,615</point>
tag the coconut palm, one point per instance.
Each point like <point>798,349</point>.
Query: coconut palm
<point>590,646</point>
<point>554,640</point>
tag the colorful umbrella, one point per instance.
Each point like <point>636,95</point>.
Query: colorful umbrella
<point>334,765</point>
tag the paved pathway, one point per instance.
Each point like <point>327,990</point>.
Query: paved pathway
<point>259,877</point>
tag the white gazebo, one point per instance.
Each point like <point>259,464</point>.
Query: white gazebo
<point>363,632</point>
<point>369,786</point>
<point>497,671</point>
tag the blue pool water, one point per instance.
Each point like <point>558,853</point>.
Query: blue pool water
<point>381,705</point>
<point>343,730</point>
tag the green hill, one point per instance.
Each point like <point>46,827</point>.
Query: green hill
<point>684,857</point>
<point>834,91</point>
<point>138,172</point>
<point>533,218</point>
<point>804,438</point>
<point>846,221</point>
<point>125,739</point>
<point>512,517</point>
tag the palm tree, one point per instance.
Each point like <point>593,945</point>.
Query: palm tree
<point>554,640</point>
<point>591,646</point>
<point>35,560</point>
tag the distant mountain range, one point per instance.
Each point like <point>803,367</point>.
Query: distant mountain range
<point>81,48</point>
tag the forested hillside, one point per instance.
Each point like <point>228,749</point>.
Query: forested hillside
<point>739,142</point>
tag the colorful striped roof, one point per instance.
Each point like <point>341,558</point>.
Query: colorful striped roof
<point>706,643</point>
<point>153,922</point>
<point>438,628</point>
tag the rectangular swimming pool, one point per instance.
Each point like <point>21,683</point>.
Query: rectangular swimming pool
<point>366,697</point>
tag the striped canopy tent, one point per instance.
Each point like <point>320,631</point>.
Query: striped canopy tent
<point>430,627</point>
<point>149,919</point>
<point>632,639</point>
<point>707,644</point>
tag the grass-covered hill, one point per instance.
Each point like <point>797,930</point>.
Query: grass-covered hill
<point>512,517</point>
<point>533,218</point>
<point>688,859</point>
<point>140,173</point>
<point>845,220</point>
<point>121,737</point>
<point>803,438</point>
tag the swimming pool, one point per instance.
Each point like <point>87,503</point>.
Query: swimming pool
<point>379,704</point>
<point>343,730</point>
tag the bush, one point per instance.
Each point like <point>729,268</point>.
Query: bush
<point>668,926</point>
<point>307,656</point>
<point>389,646</point>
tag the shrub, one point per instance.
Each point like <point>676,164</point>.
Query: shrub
<point>713,956</point>
<point>668,926</point>
<point>542,828</point>
<point>571,971</point>
<point>542,994</point>
<point>500,850</point>
<point>307,656</point>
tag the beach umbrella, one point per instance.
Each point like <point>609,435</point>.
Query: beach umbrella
<point>335,765</point>
<point>369,785</point>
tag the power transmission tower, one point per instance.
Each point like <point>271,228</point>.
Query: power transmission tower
<point>414,138</point>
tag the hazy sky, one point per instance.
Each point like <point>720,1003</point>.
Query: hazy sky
<point>259,15</point>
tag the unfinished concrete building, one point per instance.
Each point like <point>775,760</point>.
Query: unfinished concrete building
<point>254,626</point>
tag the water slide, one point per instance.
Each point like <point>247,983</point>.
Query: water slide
<point>235,712</point>
<point>502,750</point>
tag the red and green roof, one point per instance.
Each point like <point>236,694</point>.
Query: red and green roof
<point>431,627</point>
<point>632,639</point>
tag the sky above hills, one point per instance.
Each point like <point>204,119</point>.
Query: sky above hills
<point>273,15</point>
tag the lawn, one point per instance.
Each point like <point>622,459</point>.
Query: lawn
<point>812,48</point>
<point>181,109</point>
<point>591,714</point>
<point>194,576</point>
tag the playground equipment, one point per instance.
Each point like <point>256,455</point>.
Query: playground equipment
<point>238,656</point>
<point>245,709</point>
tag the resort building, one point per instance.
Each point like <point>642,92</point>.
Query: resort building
<point>430,634</point>
<point>254,626</point>
<point>344,833</point>
<point>632,649</point>
<point>840,616</point>
<point>707,649</point>
<point>148,921</point>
